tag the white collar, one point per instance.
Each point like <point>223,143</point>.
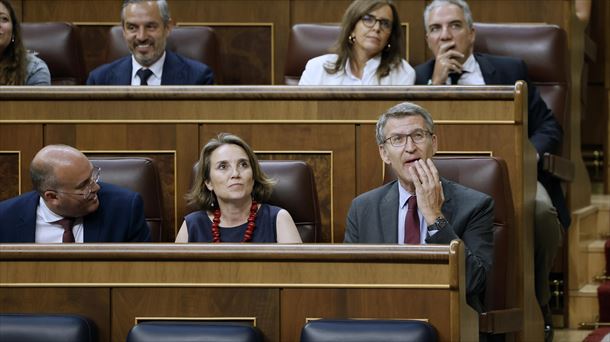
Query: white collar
<point>156,67</point>
<point>371,64</point>
<point>47,214</point>
<point>470,64</point>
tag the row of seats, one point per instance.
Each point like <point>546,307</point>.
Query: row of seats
<point>58,44</point>
<point>293,177</point>
<point>485,174</point>
<point>74,328</point>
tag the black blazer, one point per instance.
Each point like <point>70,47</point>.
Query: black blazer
<point>544,131</point>
<point>119,217</point>
<point>177,70</point>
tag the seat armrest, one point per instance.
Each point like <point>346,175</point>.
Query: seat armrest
<point>558,166</point>
<point>501,321</point>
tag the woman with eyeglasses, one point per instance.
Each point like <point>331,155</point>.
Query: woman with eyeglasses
<point>367,51</point>
<point>17,65</point>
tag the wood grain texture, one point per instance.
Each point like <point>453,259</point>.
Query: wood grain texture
<point>27,139</point>
<point>279,285</point>
<point>93,303</point>
<point>9,175</point>
<point>213,303</point>
<point>468,119</point>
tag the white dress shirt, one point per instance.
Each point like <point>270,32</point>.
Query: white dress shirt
<point>315,74</point>
<point>403,197</point>
<point>156,68</point>
<point>48,232</point>
<point>471,73</point>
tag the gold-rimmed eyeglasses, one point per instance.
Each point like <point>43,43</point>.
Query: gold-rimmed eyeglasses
<point>88,189</point>
<point>399,140</point>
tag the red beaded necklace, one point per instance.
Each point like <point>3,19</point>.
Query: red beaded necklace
<point>249,230</point>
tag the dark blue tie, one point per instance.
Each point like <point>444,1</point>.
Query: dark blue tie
<point>455,77</point>
<point>144,74</point>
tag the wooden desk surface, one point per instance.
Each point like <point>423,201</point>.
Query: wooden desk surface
<point>273,285</point>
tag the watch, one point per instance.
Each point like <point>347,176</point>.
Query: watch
<point>439,223</point>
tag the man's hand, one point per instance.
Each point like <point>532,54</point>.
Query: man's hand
<point>446,63</point>
<point>428,189</point>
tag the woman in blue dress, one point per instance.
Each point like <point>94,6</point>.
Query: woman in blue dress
<point>230,189</point>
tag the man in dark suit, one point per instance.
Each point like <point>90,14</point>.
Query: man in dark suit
<point>146,26</point>
<point>421,207</point>
<point>69,205</point>
<point>450,36</point>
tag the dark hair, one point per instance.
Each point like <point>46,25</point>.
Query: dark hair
<point>390,57</point>
<point>13,62</point>
<point>205,199</point>
<point>399,111</point>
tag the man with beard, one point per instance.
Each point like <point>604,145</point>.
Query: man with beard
<point>69,205</point>
<point>146,26</point>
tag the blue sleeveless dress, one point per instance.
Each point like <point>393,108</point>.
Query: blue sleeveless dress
<point>200,227</point>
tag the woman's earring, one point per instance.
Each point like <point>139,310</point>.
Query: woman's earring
<point>12,39</point>
<point>351,39</point>
<point>388,47</point>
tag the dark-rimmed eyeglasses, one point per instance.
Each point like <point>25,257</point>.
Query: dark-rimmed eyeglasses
<point>88,189</point>
<point>399,140</point>
<point>370,20</point>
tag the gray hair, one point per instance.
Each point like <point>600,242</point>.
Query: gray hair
<point>163,9</point>
<point>459,3</point>
<point>43,177</point>
<point>399,111</point>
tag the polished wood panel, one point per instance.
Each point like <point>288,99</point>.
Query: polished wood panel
<point>25,138</point>
<point>266,282</point>
<point>10,177</point>
<point>299,305</point>
<point>199,303</point>
<point>487,120</point>
<point>93,303</point>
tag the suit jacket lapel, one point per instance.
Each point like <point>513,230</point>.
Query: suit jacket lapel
<point>92,227</point>
<point>388,209</point>
<point>174,71</point>
<point>121,75</point>
<point>487,69</point>
<point>449,205</point>
<point>26,227</point>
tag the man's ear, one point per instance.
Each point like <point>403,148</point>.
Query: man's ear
<point>49,196</point>
<point>434,144</point>
<point>384,154</point>
<point>170,25</point>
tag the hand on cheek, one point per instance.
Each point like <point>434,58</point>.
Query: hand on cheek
<point>428,189</point>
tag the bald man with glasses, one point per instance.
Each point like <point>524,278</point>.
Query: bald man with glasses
<point>69,204</point>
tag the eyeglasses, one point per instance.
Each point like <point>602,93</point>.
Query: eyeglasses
<point>95,177</point>
<point>399,140</point>
<point>370,20</point>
